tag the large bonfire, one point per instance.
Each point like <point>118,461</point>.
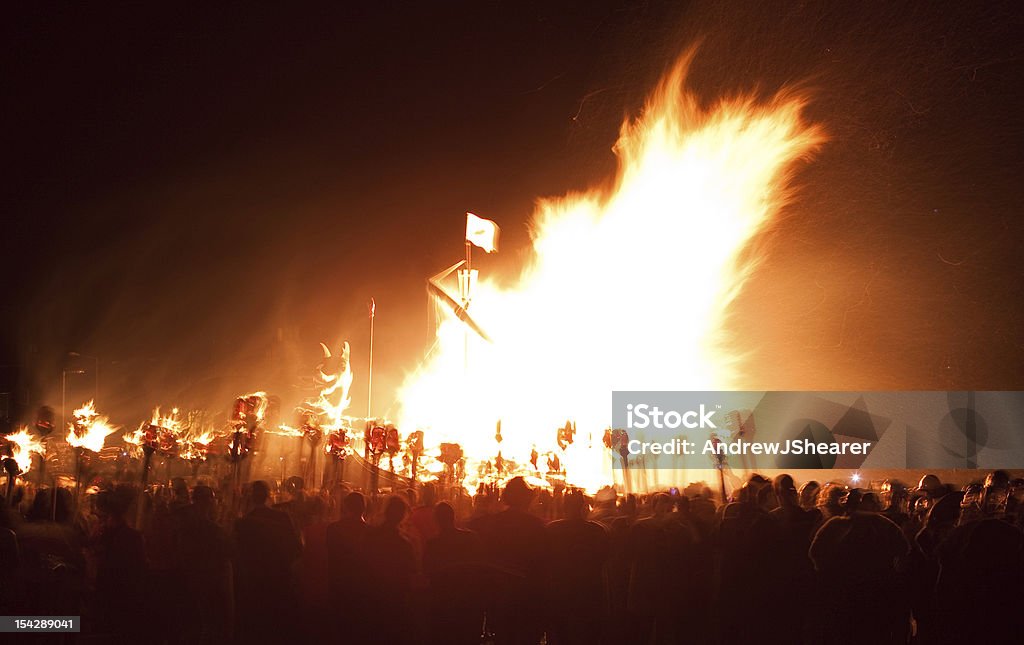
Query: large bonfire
<point>628,287</point>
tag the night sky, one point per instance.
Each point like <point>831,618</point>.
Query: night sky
<point>198,196</point>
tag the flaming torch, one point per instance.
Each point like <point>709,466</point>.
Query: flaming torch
<point>194,449</point>
<point>86,435</point>
<point>338,446</point>
<point>415,444</point>
<point>18,461</point>
<point>453,458</point>
<point>159,434</point>
<point>247,414</point>
<point>375,445</point>
<point>312,432</point>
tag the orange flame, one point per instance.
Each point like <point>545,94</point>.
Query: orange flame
<point>327,410</point>
<point>89,430</point>
<point>196,444</point>
<point>334,394</point>
<point>23,444</point>
<point>628,287</point>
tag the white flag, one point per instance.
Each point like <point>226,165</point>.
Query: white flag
<point>482,232</point>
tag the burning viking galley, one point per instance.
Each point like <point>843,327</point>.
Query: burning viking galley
<point>469,413</point>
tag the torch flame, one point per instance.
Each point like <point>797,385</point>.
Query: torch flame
<point>171,422</point>
<point>23,444</point>
<point>196,444</point>
<point>628,287</point>
<point>89,430</point>
<point>137,436</point>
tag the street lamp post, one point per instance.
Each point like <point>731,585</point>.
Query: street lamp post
<point>95,373</point>
<point>64,395</point>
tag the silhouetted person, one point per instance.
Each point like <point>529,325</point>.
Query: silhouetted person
<point>658,546</point>
<point>204,557</point>
<point>786,562</point>
<point>267,546</point>
<point>452,562</point>
<point>179,494</point>
<point>314,575</point>
<point>577,551</point>
<point>514,541</point>
<point>389,588</point>
<point>743,539</point>
<point>296,506</point>
<point>167,579</point>
<point>422,523</point>
<point>51,555</point>
<point>121,574</point>
<point>922,564</point>
<point>348,567</point>
<point>861,597</point>
<point>894,502</point>
<point>979,584</point>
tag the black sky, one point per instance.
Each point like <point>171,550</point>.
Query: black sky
<point>198,195</point>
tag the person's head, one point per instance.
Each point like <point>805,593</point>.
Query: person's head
<point>747,494</point>
<point>179,490</point>
<point>930,486</point>
<point>629,505</point>
<point>517,494</point>
<point>294,486</point>
<point>852,501</point>
<point>41,503</point>
<point>394,511</point>
<point>444,515</point>
<point>605,498</point>
<point>785,491</point>
<point>997,479</point>
<point>354,505</point>
<point>112,505</point>
<point>869,503</point>
<point>662,504</point>
<point>683,505</point>
<point>894,494</point>
<point>997,492</point>
<point>758,480</point>
<point>945,513</point>
<point>830,499</point>
<point>260,492</point>
<point>205,500</point>
<point>428,494</point>
<point>575,506</point>
<point>809,494</point>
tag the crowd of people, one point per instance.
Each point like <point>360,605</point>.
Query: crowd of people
<point>276,563</point>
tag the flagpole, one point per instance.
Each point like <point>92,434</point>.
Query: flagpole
<point>465,305</point>
<point>369,377</point>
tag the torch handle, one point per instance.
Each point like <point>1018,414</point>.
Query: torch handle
<point>141,501</point>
